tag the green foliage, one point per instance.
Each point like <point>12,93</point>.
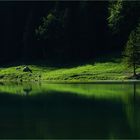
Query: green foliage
<point>50,28</point>
<point>115,9</point>
<point>132,50</point>
<point>123,15</point>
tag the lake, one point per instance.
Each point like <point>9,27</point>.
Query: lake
<point>72,111</point>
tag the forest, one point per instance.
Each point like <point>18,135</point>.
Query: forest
<point>70,69</point>
<point>65,33</point>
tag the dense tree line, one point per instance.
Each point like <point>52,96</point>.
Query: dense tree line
<point>65,30</point>
<point>123,18</point>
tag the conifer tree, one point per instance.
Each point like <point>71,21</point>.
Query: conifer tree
<point>132,50</point>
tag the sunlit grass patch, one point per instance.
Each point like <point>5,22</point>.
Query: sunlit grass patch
<point>87,72</point>
<point>100,71</point>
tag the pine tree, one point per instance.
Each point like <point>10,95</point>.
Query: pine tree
<point>132,50</point>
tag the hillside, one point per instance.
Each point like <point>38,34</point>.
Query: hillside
<point>83,73</point>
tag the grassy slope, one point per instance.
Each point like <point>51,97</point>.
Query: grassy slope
<point>114,70</point>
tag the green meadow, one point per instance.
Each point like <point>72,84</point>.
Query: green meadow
<point>83,73</point>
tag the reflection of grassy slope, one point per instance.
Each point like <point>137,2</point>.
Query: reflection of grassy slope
<point>21,88</point>
<point>95,90</point>
<point>85,73</point>
<point>103,92</point>
<point>60,116</point>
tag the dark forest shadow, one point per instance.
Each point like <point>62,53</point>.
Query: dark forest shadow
<point>67,63</point>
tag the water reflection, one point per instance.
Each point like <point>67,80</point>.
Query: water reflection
<point>46,111</point>
<point>26,91</point>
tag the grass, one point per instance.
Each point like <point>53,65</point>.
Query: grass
<point>110,70</point>
<point>99,71</point>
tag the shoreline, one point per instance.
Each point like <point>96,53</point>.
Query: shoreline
<point>73,82</point>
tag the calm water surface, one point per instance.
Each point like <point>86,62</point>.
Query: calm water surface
<point>70,110</point>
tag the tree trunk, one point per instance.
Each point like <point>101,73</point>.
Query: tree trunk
<point>134,69</point>
<point>134,65</point>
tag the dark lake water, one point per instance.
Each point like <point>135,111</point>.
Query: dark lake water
<point>72,111</point>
